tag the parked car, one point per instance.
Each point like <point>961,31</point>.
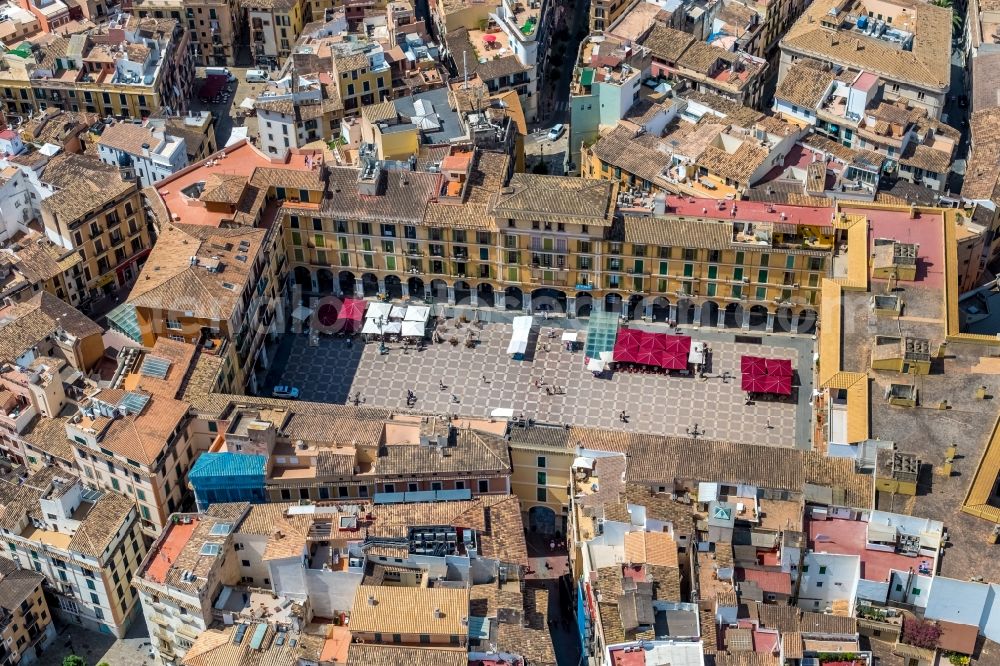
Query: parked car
<point>556,131</point>
<point>257,76</point>
<point>220,71</point>
<point>286,392</point>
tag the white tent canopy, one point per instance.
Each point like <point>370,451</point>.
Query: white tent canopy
<point>397,312</point>
<point>372,327</point>
<point>378,310</point>
<point>697,352</point>
<point>595,365</point>
<point>413,329</point>
<point>570,336</point>
<point>248,103</point>
<point>520,334</point>
<point>417,313</point>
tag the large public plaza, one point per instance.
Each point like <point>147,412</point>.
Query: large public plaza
<point>552,385</point>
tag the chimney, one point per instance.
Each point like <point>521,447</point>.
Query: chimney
<point>371,600</point>
<point>438,614</point>
<point>145,150</point>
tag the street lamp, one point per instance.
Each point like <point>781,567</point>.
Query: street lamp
<point>694,432</point>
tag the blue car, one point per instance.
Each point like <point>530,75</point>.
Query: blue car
<point>286,392</point>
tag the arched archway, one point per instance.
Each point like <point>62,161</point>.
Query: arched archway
<point>513,298</point>
<point>661,308</point>
<point>807,321</point>
<point>635,306</point>
<point>439,291</point>
<point>542,520</point>
<point>393,287</point>
<point>548,300</point>
<point>303,277</point>
<point>613,303</point>
<point>484,293</point>
<point>783,317</point>
<point>685,311</point>
<point>324,281</point>
<point>416,287</point>
<point>369,284</point>
<point>463,293</point>
<point>584,304</point>
<point>733,317</point>
<point>709,313</point>
<point>758,318</point>
<point>346,280</point>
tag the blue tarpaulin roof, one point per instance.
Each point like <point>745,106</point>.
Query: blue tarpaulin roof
<point>479,627</point>
<point>209,465</point>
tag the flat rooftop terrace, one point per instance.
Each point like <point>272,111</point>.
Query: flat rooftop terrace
<point>849,537</point>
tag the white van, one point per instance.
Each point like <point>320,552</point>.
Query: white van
<point>220,71</point>
<point>257,76</point>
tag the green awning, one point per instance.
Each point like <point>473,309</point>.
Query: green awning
<point>586,76</point>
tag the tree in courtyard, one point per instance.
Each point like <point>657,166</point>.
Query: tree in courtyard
<point>923,634</point>
<point>74,660</point>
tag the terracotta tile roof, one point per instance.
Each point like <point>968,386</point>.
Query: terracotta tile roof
<point>738,165</point>
<point>287,538</point>
<point>56,126</point>
<point>666,582</point>
<point>142,437</point>
<point>181,355</point>
<point>667,43</point>
<point>926,64</point>
<point>377,609</point>
<point>223,188</point>
<point>17,585</point>
<point>367,654</point>
<point>791,642</point>
<point>558,199</point>
<point>101,525</point>
<point>639,155</point>
<point>681,458</point>
<point>169,277</point>
<point>24,325</point>
<point>297,179</point>
<point>926,158</point>
<point>982,176</point>
<point>261,518</point>
<point>402,198</point>
<point>650,548</point>
<point>775,616</point>
<point>824,623</point>
<point>746,658</point>
<point>739,640</point>
<point>473,452</point>
<point>850,488</point>
<point>805,83</point>
<point>83,186</point>
<point>775,582</point>
<point>49,436</point>
<point>681,232</point>
<point>128,137</point>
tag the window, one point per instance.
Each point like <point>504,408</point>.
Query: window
<point>542,478</point>
<point>94,598</point>
<point>173,325</point>
<point>541,495</point>
<point>819,583</point>
<point>390,488</point>
<point>915,592</point>
<point>540,462</point>
<point>822,571</point>
<point>484,486</point>
<point>245,563</point>
<point>436,485</point>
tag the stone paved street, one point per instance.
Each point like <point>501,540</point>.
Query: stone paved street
<point>660,404</point>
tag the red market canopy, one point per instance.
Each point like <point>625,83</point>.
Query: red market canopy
<point>753,365</point>
<point>656,349</point>
<point>779,367</point>
<point>353,309</point>
<point>766,375</point>
<point>489,39</point>
<point>627,345</point>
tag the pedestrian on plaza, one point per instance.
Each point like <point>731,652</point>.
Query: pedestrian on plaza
<point>768,426</point>
<point>441,384</point>
<point>454,398</point>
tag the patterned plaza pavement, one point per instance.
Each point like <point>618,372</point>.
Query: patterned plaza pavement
<point>485,378</point>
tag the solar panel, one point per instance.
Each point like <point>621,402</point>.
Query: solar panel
<point>210,549</point>
<point>155,366</point>
<point>241,630</point>
<point>134,402</point>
